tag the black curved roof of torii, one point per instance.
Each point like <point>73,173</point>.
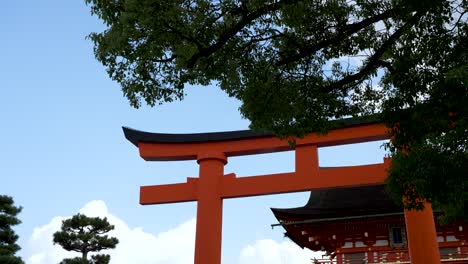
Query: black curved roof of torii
<point>345,201</point>
<point>135,136</point>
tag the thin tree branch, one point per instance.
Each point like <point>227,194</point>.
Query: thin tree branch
<point>342,34</point>
<point>246,19</point>
<point>374,61</point>
<point>165,60</point>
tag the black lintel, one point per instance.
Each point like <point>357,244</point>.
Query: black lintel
<point>135,136</point>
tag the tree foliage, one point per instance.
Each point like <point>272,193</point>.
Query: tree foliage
<point>95,259</point>
<point>85,234</point>
<point>8,238</point>
<point>295,65</point>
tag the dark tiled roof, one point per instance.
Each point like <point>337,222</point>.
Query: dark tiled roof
<point>353,201</point>
<point>136,136</point>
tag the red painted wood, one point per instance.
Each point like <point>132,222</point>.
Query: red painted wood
<point>212,186</point>
<point>422,238</point>
<point>209,211</point>
<point>190,151</point>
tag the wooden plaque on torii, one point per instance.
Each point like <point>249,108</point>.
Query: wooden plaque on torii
<point>212,150</point>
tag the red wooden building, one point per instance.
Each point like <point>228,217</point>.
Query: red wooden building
<point>363,225</point>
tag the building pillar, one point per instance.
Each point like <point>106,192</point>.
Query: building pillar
<point>421,235</point>
<point>208,234</point>
<point>339,258</point>
<point>370,256</point>
<point>463,250</point>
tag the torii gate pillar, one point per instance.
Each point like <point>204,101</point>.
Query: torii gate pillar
<point>211,151</point>
<point>422,238</point>
<point>209,208</point>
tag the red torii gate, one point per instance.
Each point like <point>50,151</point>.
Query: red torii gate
<point>211,150</point>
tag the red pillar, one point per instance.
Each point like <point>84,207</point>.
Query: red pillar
<point>209,209</point>
<point>370,256</point>
<point>339,258</point>
<point>463,250</point>
<point>422,237</point>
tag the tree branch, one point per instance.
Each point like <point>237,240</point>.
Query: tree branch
<point>165,60</point>
<point>385,64</point>
<point>246,19</point>
<point>374,61</point>
<point>346,31</point>
<point>184,36</point>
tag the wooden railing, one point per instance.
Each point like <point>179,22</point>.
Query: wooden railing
<point>455,258</point>
<point>324,261</point>
<point>396,257</point>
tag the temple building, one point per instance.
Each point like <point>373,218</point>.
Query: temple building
<point>363,225</point>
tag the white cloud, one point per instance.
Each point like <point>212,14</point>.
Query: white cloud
<point>40,243</point>
<point>268,251</point>
<point>175,246</point>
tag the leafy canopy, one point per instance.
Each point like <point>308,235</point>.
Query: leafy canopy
<point>8,238</point>
<point>295,65</point>
<point>85,234</point>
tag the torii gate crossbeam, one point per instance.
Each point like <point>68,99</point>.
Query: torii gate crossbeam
<point>211,151</point>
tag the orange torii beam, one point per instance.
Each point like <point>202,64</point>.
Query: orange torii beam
<point>211,150</point>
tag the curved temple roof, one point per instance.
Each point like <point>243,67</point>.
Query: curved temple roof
<point>136,136</point>
<point>350,201</point>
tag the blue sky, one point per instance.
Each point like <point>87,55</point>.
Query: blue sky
<point>62,148</point>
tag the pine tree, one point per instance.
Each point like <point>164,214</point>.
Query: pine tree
<point>8,238</point>
<point>85,235</point>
